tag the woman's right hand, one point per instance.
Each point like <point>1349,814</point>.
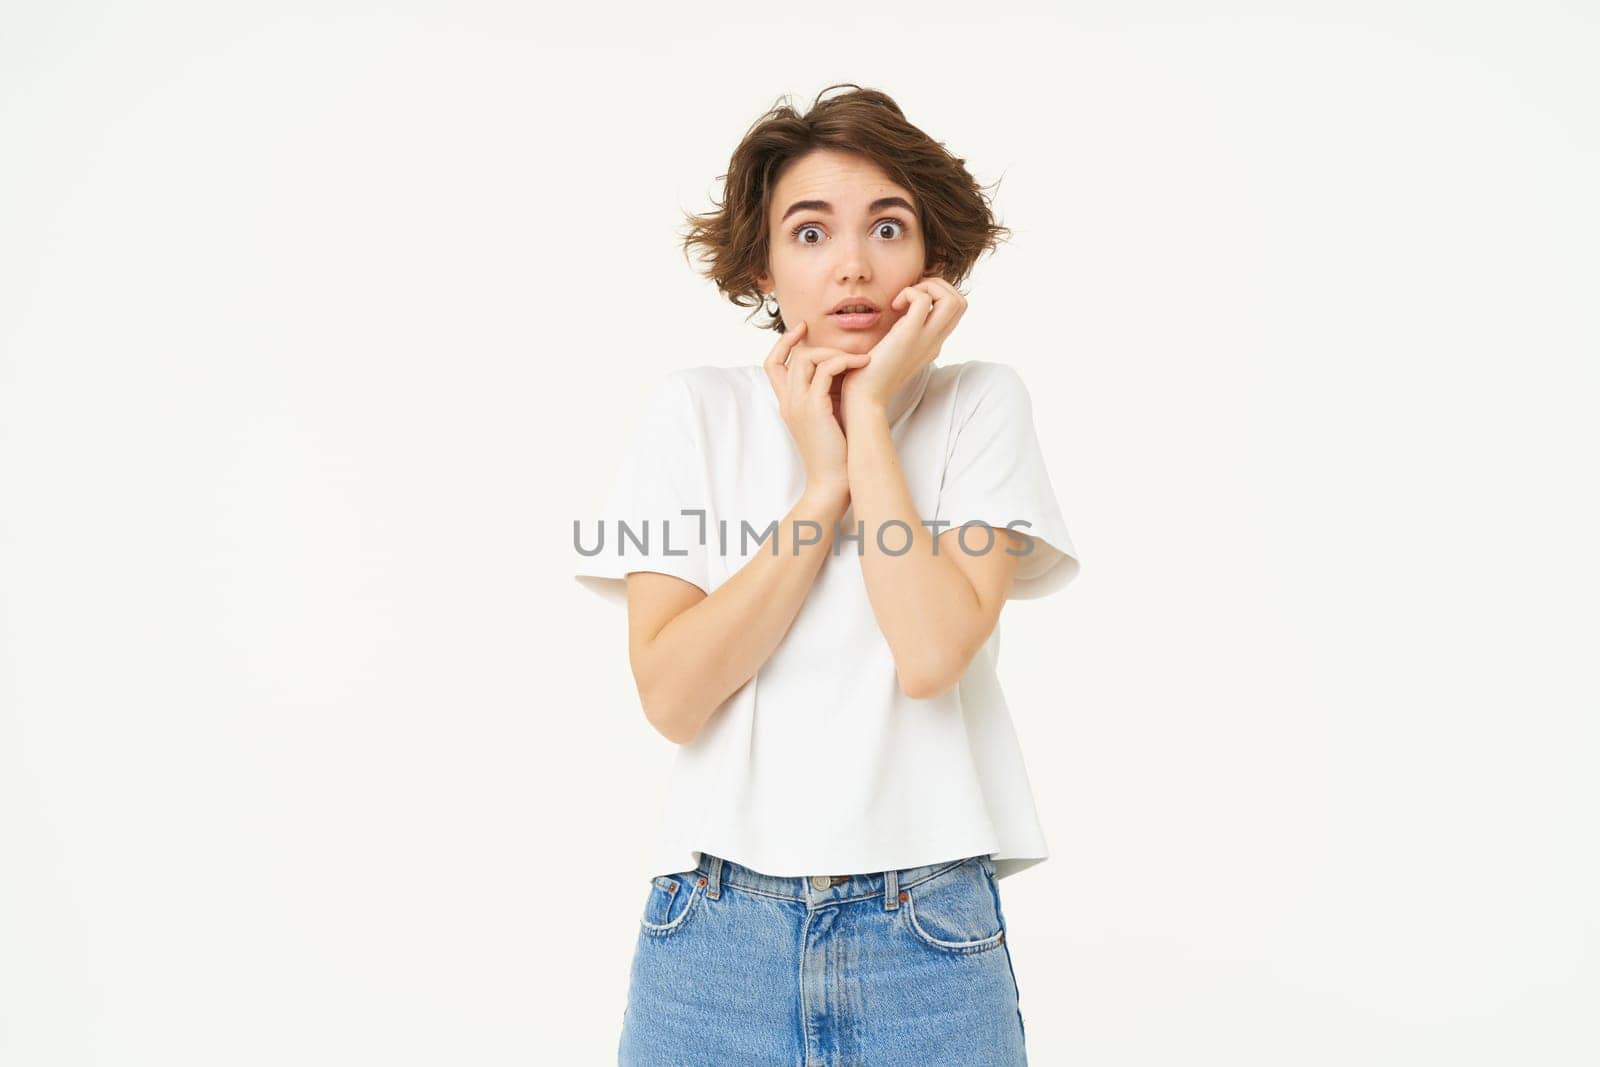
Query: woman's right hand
<point>801,378</point>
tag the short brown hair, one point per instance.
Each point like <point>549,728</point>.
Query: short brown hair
<point>954,212</point>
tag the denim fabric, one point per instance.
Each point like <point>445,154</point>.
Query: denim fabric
<point>905,968</point>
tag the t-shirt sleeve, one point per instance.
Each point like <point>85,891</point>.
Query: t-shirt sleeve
<point>641,525</point>
<point>995,474</point>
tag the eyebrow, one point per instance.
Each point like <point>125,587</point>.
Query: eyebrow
<point>827,208</point>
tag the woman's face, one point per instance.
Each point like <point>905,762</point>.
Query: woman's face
<point>840,229</point>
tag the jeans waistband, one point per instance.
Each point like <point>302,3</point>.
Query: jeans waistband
<point>816,890</point>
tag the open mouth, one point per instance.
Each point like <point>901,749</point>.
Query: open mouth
<point>853,319</point>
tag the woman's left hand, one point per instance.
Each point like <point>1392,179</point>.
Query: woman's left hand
<point>933,307</point>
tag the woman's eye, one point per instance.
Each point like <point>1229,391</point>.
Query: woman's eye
<point>798,233</point>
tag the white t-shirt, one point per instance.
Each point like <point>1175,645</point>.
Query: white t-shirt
<point>820,763</point>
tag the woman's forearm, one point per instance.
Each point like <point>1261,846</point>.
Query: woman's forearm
<point>707,652</point>
<point>926,607</point>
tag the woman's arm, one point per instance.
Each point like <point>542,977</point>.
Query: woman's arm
<point>935,611</point>
<point>690,651</point>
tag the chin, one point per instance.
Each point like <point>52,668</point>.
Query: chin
<point>856,341</point>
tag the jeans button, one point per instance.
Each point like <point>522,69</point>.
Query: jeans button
<point>820,881</point>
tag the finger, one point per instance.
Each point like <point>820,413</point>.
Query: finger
<point>802,364</point>
<point>936,306</point>
<point>950,305</point>
<point>945,293</point>
<point>774,363</point>
<point>832,367</point>
<point>786,340</point>
<point>939,288</point>
<point>903,297</point>
<point>914,317</point>
<point>918,303</point>
<point>814,356</point>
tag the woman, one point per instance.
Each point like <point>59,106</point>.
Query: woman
<point>813,626</point>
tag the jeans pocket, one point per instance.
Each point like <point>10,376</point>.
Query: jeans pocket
<point>672,900</point>
<point>954,912</point>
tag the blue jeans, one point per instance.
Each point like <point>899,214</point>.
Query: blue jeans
<point>906,967</point>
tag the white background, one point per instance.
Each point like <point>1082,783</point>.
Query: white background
<point>321,323</point>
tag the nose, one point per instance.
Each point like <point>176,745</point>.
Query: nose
<point>853,262</point>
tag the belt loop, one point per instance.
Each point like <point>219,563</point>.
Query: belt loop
<point>714,878</point>
<point>891,890</point>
